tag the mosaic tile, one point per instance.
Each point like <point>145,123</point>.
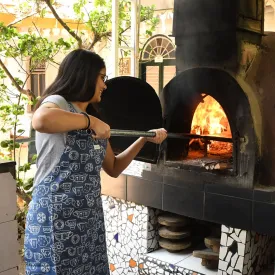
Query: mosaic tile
<point>247,254</point>
<point>242,236</point>
<point>228,257</point>
<point>241,248</point>
<point>234,260</point>
<point>224,239</point>
<point>234,237</point>
<point>132,232</point>
<point>230,270</point>
<point>239,264</point>
<point>223,265</point>
<point>237,231</point>
<point>223,251</point>
<point>153,226</point>
<point>225,229</point>
<point>229,241</point>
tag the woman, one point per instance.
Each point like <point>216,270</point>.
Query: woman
<point>65,231</point>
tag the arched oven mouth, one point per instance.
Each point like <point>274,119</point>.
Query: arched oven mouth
<point>209,145</point>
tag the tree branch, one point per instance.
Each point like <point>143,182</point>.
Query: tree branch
<point>63,24</point>
<point>21,90</point>
<point>97,38</point>
<point>7,11</point>
<point>141,21</point>
<point>123,41</point>
<point>21,19</point>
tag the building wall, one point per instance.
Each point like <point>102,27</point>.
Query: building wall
<point>9,258</point>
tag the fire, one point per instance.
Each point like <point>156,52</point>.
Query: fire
<point>210,119</point>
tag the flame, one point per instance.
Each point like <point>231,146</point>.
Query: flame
<point>210,119</point>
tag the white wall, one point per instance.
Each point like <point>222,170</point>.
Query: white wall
<point>160,4</point>
<point>9,256</point>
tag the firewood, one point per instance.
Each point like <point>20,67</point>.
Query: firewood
<point>212,243</point>
<point>174,246</point>
<point>172,220</point>
<point>196,144</point>
<point>222,166</point>
<point>216,165</point>
<point>209,259</point>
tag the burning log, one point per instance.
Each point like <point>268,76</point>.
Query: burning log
<point>196,144</point>
<point>217,165</point>
<point>222,166</point>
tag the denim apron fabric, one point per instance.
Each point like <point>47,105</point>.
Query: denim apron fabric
<point>65,231</point>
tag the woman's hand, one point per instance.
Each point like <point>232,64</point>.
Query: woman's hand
<point>161,135</point>
<point>100,128</point>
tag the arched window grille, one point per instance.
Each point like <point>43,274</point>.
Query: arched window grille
<point>158,62</point>
<point>158,47</point>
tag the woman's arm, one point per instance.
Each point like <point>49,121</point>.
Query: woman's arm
<point>114,165</point>
<point>49,118</point>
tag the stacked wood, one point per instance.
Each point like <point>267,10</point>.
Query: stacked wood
<point>174,233</point>
<point>209,257</point>
<point>213,244</point>
<point>170,233</point>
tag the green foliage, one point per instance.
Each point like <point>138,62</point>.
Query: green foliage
<point>32,49</point>
<point>22,46</point>
<point>78,8</point>
<point>97,16</point>
<point>99,19</point>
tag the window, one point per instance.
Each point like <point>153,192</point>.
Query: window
<point>158,46</point>
<point>38,79</point>
<point>157,62</point>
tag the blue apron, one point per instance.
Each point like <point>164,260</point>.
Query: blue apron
<point>65,231</point>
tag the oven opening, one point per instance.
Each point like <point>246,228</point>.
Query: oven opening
<point>209,144</point>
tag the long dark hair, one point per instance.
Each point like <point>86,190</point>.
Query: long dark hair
<point>77,77</point>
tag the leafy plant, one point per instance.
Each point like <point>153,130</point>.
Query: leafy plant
<point>24,50</point>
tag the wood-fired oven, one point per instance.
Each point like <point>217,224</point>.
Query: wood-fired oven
<point>226,61</point>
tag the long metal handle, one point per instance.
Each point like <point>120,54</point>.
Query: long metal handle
<point>131,133</point>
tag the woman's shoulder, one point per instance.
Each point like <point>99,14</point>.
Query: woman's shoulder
<point>59,100</point>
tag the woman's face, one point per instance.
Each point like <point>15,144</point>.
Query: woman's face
<point>100,86</point>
